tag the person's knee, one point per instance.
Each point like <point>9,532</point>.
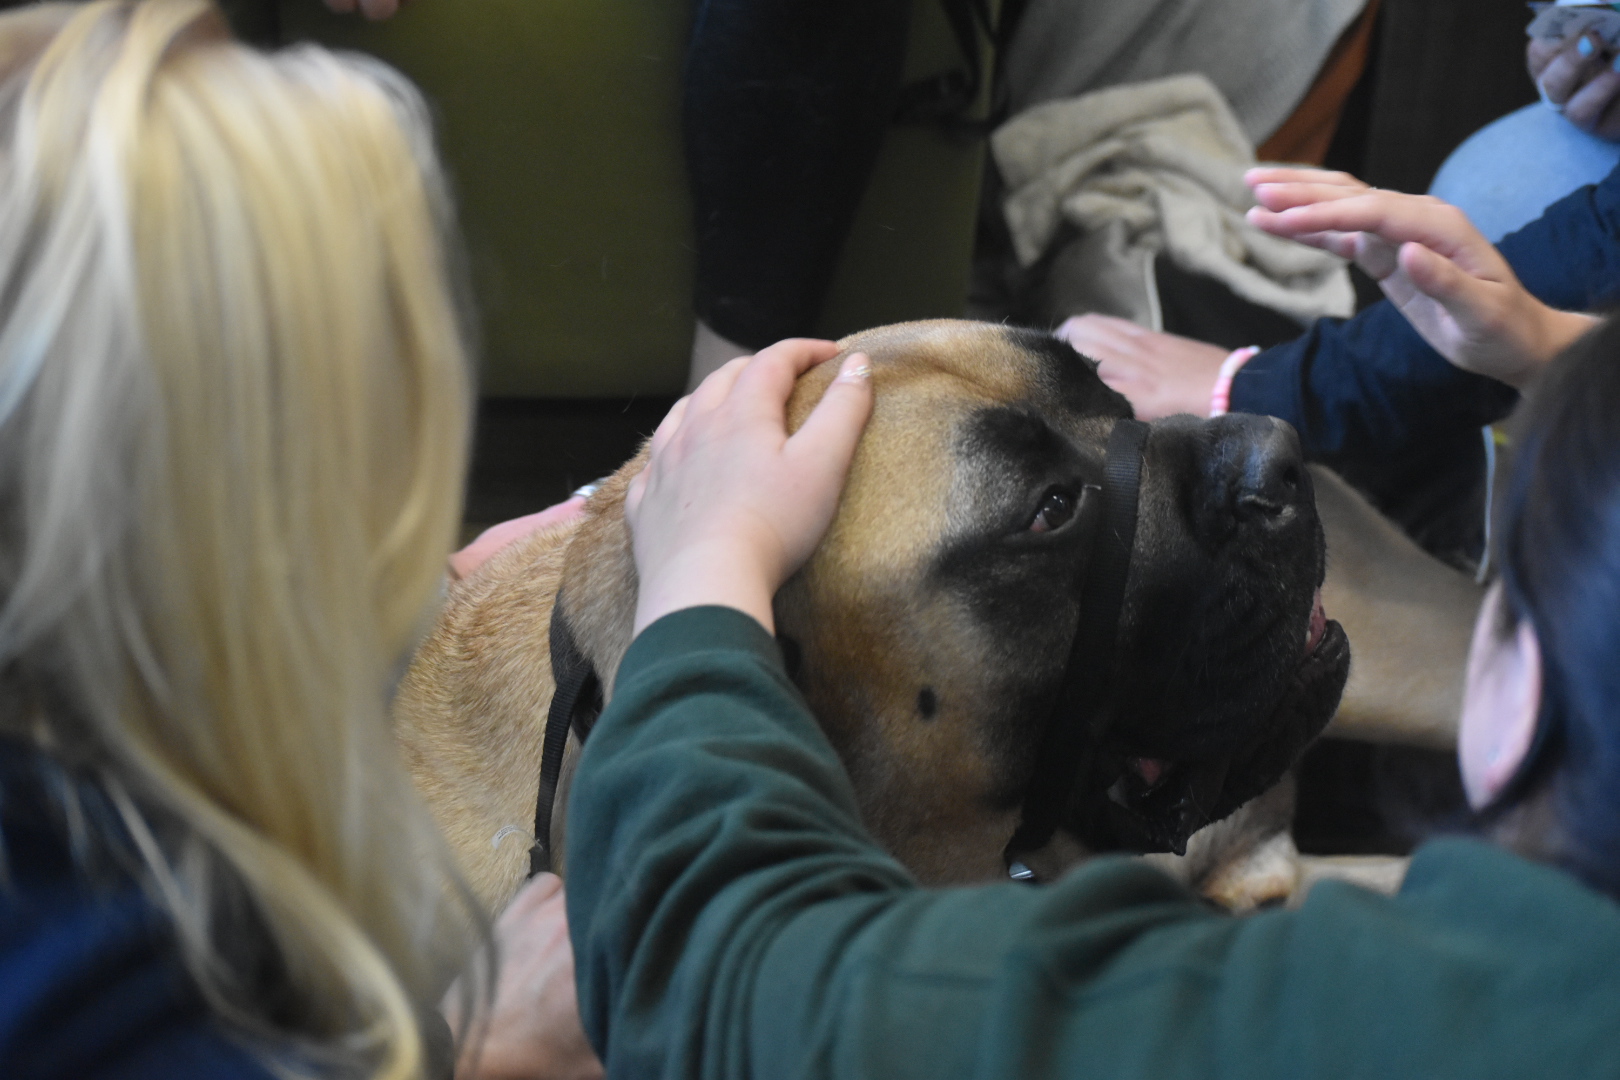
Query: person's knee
<point>1506,173</point>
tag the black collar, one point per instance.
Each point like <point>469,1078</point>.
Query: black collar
<point>575,705</point>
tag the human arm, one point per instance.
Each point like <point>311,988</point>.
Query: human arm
<point>1367,395</point>
<point>732,917</point>
<point>1372,399</point>
<point>1449,282</point>
<point>730,503</point>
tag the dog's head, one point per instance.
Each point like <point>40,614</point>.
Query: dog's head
<point>931,631</point>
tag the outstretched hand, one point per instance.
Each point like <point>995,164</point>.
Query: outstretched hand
<point>1160,374</point>
<point>1444,276</point>
<point>729,504</point>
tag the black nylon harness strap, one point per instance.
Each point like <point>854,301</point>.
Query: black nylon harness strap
<point>1078,720</point>
<point>575,705</point>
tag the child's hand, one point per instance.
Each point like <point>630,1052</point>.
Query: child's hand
<point>1444,276</point>
<point>496,538</point>
<point>729,505</point>
<point>1159,374</point>
<point>1578,77</point>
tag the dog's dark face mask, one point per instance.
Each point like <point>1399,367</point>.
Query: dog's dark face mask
<point>1226,666</point>
<point>932,631</point>
<point>1223,666</point>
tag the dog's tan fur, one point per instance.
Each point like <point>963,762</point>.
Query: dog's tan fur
<point>472,744</point>
<point>471,709</point>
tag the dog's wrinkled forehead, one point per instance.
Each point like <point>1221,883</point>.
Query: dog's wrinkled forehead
<point>1063,405</point>
<point>948,390</point>
<point>970,364</point>
<point>989,361</point>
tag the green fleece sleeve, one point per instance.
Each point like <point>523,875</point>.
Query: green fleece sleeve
<point>732,918</point>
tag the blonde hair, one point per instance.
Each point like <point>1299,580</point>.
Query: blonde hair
<point>233,417</point>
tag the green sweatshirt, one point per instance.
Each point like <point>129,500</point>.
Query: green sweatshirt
<point>731,917</point>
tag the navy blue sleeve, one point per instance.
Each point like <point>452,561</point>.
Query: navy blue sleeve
<point>1570,256</point>
<point>91,982</point>
<point>1372,400</point>
<point>91,988</point>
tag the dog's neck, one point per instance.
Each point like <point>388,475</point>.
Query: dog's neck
<point>598,592</point>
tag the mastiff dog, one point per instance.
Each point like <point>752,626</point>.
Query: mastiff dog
<point>1034,622</point>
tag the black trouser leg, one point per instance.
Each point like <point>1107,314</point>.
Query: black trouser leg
<point>786,106</point>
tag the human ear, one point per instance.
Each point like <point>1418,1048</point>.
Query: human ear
<point>1501,702</point>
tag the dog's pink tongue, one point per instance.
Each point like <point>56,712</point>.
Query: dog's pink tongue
<point>1149,769</point>
<point>1318,625</point>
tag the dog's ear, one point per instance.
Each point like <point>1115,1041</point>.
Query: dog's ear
<point>599,577</point>
<point>1064,346</point>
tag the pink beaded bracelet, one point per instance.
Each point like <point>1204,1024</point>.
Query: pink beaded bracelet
<point>1220,398</point>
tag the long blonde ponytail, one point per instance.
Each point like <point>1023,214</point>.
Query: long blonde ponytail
<point>233,417</point>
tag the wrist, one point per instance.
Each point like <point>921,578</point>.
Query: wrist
<point>1220,394</point>
<point>1557,331</point>
<point>703,576</point>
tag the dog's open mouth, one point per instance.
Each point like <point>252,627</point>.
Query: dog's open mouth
<point>1317,627</point>
<point>1156,803</point>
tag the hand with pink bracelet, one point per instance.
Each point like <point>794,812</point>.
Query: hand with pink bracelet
<point>1447,279</point>
<point>1159,374</point>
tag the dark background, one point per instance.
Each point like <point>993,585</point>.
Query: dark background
<point>1442,70</point>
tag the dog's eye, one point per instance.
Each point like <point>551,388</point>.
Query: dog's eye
<point>1057,507</point>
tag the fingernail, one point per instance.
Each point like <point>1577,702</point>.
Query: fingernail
<point>856,369</point>
<point>1585,47</point>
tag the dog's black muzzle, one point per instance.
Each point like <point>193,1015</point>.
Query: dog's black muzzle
<point>1174,720</point>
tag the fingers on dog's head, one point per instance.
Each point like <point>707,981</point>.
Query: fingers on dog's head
<point>714,389</point>
<point>834,426</point>
<point>670,424</point>
<point>799,355</point>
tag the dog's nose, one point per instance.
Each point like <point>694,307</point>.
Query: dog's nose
<point>1265,469</point>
